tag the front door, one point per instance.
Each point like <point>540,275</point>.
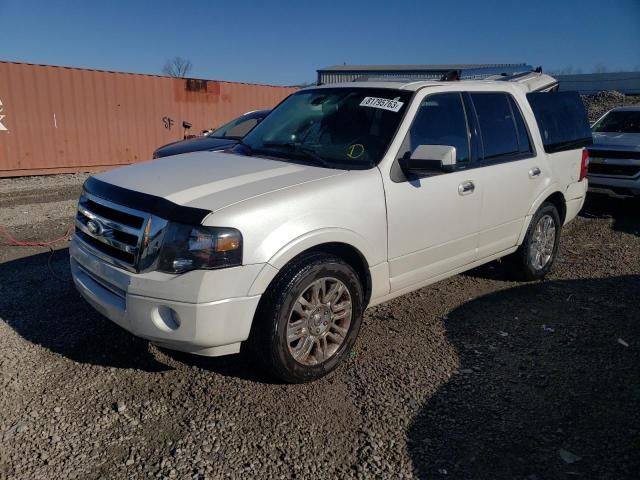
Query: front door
<point>433,220</point>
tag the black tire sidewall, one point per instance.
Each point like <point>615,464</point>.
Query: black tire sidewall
<point>283,364</point>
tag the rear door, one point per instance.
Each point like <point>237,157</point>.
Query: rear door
<point>511,175</point>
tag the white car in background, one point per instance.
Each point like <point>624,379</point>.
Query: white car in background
<point>614,157</point>
<point>343,197</point>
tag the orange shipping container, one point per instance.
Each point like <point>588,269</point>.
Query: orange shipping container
<point>58,119</point>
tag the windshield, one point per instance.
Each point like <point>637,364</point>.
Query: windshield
<point>621,121</point>
<point>237,128</point>
<point>336,127</point>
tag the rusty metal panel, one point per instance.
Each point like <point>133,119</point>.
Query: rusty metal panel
<point>58,119</point>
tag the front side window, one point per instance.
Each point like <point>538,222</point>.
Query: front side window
<point>620,121</point>
<point>440,120</point>
<point>332,127</point>
<point>497,126</point>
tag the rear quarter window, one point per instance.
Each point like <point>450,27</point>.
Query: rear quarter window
<point>562,120</point>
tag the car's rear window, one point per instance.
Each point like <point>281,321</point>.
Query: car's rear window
<point>562,120</point>
<point>620,121</point>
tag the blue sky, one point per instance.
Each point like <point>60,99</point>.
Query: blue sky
<point>284,42</point>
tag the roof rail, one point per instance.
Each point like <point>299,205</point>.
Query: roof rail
<point>400,79</point>
<point>480,73</point>
<point>476,73</point>
<point>531,78</point>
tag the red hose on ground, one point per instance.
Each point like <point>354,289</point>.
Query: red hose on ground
<point>12,242</point>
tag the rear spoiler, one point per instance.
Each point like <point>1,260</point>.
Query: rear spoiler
<point>534,81</point>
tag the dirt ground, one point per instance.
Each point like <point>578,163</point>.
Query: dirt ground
<point>475,377</point>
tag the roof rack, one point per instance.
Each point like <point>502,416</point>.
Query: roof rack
<point>481,73</point>
<point>532,79</point>
<point>474,73</point>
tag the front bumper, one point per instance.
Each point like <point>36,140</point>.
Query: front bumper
<point>207,312</point>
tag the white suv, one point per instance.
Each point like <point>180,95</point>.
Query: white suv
<point>343,197</point>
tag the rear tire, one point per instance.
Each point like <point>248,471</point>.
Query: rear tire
<point>309,318</point>
<point>535,257</point>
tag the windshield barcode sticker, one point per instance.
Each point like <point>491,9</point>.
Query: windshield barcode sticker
<point>383,103</point>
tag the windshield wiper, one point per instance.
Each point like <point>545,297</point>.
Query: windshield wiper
<point>308,153</point>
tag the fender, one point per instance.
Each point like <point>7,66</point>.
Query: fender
<point>302,243</point>
<point>546,193</point>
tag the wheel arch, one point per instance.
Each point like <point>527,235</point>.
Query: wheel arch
<point>555,197</point>
<point>558,200</point>
<point>347,246</point>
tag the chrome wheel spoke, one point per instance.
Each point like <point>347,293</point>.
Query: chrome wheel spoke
<point>335,293</point>
<point>323,348</point>
<point>341,314</point>
<point>317,292</point>
<point>304,302</point>
<point>296,330</point>
<point>299,308</point>
<point>542,242</point>
<point>338,330</point>
<point>303,348</point>
<point>319,321</point>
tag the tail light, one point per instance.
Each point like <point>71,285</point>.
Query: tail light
<point>584,164</point>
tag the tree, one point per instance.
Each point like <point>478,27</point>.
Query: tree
<point>177,67</point>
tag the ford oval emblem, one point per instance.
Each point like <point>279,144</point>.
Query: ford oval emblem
<point>94,227</point>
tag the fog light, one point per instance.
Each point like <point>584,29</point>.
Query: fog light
<point>166,318</point>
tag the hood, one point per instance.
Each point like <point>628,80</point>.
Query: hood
<point>193,145</point>
<point>625,141</point>
<point>212,180</point>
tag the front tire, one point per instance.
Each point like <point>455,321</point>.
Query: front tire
<point>309,318</point>
<point>535,257</point>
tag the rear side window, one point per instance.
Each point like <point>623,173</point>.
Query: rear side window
<point>562,120</point>
<point>524,142</point>
<point>502,128</point>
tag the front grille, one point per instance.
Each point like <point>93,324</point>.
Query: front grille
<point>111,231</point>
<point>611,169</point>
<point>115,215</point>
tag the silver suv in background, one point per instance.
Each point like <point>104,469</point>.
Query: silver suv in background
<point>614,157</point>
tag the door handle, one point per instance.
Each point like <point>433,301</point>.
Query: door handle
<point>534,172</point>
<point>465,188</point>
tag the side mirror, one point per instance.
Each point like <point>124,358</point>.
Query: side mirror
<point>429,159</point>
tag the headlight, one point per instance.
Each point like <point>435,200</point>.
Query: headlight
<point>186,247</point>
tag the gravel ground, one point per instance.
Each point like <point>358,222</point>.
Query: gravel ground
<point>601,102</point>
<point>475,377</point>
